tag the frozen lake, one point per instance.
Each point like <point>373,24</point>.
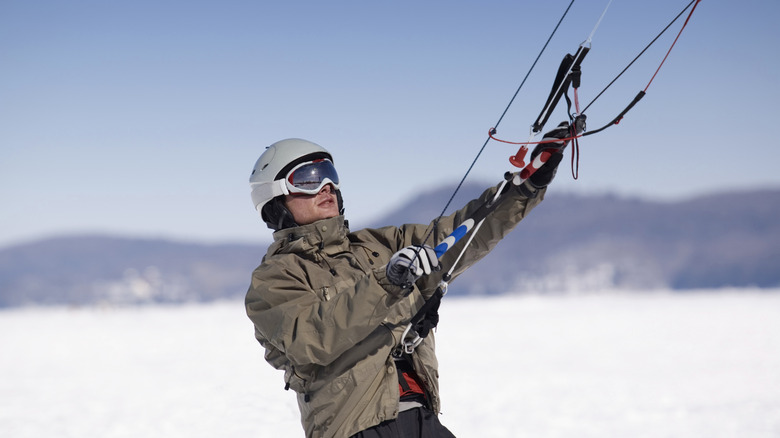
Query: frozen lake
<point>611,365</point>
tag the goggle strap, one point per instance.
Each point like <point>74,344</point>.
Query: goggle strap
<point>282,186</point>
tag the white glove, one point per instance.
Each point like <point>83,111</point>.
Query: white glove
<point>410,263</point>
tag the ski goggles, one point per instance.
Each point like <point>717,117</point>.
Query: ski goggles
<point>309,177</point>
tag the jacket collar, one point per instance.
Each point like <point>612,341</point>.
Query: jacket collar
<point>327,235</point>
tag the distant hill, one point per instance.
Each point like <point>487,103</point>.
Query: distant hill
<point>79,270</point>
<point>569,243</point>
<point>595,242</point>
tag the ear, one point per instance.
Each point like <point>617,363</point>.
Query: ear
<point>276,214</point>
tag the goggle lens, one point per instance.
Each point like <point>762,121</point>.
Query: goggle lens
<point>310,177</point>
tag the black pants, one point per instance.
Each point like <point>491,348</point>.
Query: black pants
<point>414,423</point>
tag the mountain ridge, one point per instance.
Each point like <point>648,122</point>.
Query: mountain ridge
<point>569,243</point>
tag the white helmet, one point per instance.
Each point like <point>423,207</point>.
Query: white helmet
<point>268,178</point>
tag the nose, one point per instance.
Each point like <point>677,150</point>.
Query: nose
<point>327,188</point>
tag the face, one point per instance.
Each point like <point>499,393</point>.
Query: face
<point>307,209</point>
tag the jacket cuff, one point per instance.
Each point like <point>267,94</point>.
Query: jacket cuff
<point>528,190</point>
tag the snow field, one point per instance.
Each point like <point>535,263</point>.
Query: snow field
<point>609,365</point>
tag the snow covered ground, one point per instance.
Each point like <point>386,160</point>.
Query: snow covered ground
<point>609,365</point>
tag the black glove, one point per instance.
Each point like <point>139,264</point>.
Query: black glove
<point>545,174</point>
<point>410,263</point>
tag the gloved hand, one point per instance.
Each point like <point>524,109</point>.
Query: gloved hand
<point>545,174</point>
<point>410,263</point>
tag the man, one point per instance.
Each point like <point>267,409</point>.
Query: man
<point>330,306</point>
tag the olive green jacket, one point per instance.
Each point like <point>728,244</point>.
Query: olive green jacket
<point>328,317</point>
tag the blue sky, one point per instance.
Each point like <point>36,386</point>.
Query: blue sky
<point>144,118</point>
